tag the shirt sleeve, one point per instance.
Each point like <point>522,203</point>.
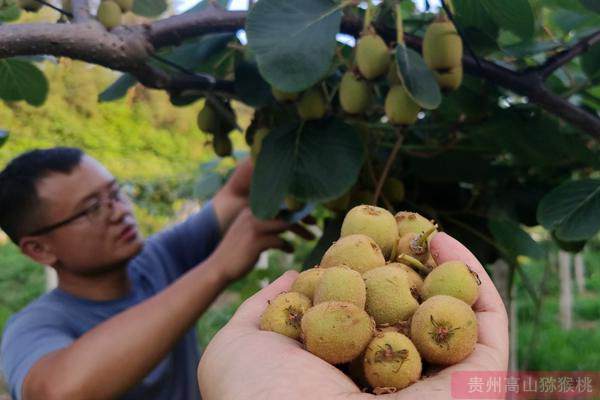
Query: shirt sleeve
<point>26,339</point>
<point>191,241</point>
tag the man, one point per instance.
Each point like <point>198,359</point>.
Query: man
<point>244,363</point>
<point>120,323</point>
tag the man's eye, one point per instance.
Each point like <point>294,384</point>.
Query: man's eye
<point>94,208</point>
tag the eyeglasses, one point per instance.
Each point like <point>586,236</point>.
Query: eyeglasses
<point>95,213</point>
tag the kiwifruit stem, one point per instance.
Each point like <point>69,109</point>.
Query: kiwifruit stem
<point>368,17</point>
<point>450,6</point>
<point>399,27</point>
<point>424,236</point>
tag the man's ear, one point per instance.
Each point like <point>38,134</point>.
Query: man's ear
<point>36,249</point>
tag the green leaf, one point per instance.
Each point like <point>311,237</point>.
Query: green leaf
<point>316,161</point>
<point>250,86</point>
<point>513,239</point>
<point>149,8</point>
<point>3,137</point>
<point>593,5</point>
<point>22,80</point>
<point>191,54</point>
<point>417,78</point>
<point>10,11</point>
<point>515,16</point>
<point>294,41</point>
<point>118,88</point>
<point>572,210</point>
<point>590,61</point>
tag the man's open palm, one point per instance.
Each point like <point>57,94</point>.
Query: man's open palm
<point>243,362</point>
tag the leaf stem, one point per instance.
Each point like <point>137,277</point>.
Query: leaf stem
<point>399,25</point>
<point>368,17</point>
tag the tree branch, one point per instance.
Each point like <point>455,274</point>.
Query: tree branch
<point>81,10</point>
<point>563,57</point>
<point>128,48</point>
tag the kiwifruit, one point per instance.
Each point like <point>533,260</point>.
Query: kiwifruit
<point>284,97</point>
<point>222,145</point>
<point>389,296</point>
<point>372,56</point>
<point>412,222</point>
<point>208,119</point>
<point>341,284</point>
<point>307,280</point>
<point>400,108</point>
<point>126,5</point>
<point>414,279</point>
<point>392,361</point>
<point>336,331</point>
<point>393,189</point>
<point>444,330</point>
<point>312,104</point>
<point>442,46</point>
<point>376,222</point>
<point>449,79</point>
<point>284,314</point>
<point>358,252</point>
<point>355,95</point>
<point>416,244</point>
<point>109,14</point>
<point>452,278</point>
<point>259,136</point>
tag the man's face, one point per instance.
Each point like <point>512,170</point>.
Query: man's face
<point>98,241</point>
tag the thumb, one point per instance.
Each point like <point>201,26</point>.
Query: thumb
<point>249,312</point>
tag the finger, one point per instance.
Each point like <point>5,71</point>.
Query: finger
<point>248,314</point>
<point>302,232</point>
<point>272,226</point>
<point>489,308</point>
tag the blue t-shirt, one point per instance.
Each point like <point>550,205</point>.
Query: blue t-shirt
<point>57,318</point>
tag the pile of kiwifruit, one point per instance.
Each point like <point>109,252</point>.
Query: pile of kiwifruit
<point>378,306</point>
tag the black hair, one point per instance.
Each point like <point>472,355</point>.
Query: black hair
<point>19,201</point>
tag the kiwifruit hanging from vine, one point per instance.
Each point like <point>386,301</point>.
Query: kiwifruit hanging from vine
<point>109,14</point>
<point>450,79</point>
<point>355,95</point>
<point>372,56</point>
<point>284,97</point>
<point>222,145</point>
<point>400,108</point>
<point>442,46</point>
<point>312,104</point>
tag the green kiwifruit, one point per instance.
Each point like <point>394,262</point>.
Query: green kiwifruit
<point>452,278</point>
<point>442,46</point>
<point>222,145</point>
<point>414,279</point>
<point>306,282</point>
<point>208,119</point>
<point>109,14</point>
<point>376,222</point>
<point>416,244</point>
<point>444,330</point>
<point>358,252</point>
<point>126,5</point>
<point>312,104</point>
<point>284,314</point>
<point>392,75</point>
<point>372,56</point>
<point>336,331</point>
<point>355,95</point>
<point>389,296</point>
<point>451,79</point>
<point>392,361</point>
<point>400,108</point>
<point>284,97</point>
<point>412,222</point>
<point>393,189</point>
<point>341,284</point>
